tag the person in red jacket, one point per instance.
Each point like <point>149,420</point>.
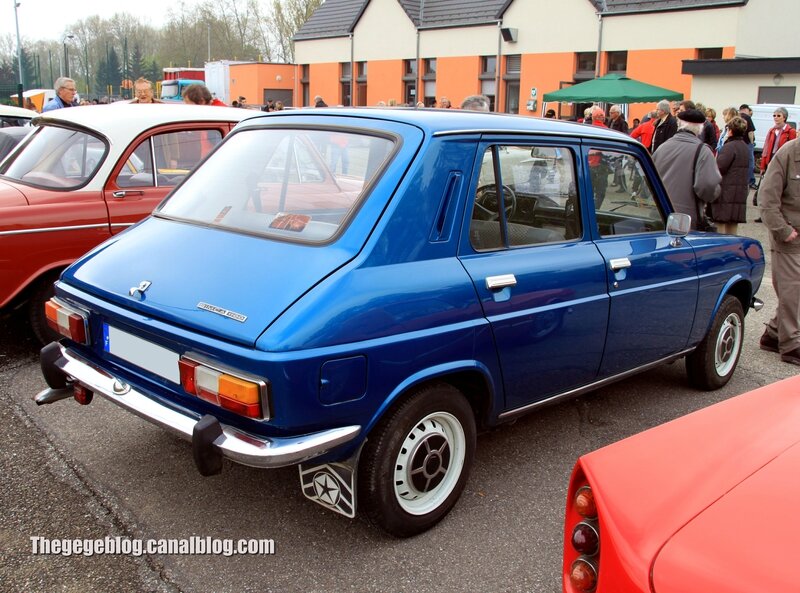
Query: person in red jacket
<point>645,130</point>
<point>779,135</point>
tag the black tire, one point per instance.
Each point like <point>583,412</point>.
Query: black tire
<point>42,292</point>
<point>712,364</point>
<point>417,460</point>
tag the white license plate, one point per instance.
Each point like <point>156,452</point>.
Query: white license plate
<point>143,354</point>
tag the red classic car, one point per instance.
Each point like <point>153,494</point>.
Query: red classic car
<point>699,504</point>
<point>88,173</point>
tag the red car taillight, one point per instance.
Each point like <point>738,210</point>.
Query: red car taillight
<point>239,394</point>
<point>67,321</point>
<point>582,551</point>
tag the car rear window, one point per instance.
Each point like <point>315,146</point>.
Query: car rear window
<point>57,158</point>
<point>296,184</point>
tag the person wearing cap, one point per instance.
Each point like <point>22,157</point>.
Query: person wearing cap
<point>779,206</point>
<point>688,167</point>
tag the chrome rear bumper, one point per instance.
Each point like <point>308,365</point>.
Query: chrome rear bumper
<point>244,448</point>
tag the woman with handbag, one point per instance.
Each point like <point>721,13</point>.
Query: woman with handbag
<point>733,161</point>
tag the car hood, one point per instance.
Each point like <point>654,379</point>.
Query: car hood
<point>213,281</point>
<point>746,541</point>
<point>652,485</point>
<point>11,196</point>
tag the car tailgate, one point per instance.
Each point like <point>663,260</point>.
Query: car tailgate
<point>217,282</point>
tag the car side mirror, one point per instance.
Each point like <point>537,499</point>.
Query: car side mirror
<point>678,226</point>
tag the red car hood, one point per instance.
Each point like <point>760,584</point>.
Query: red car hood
<point>11,196</point>
<point>651,489</point>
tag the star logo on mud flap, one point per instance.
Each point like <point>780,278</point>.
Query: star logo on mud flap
<point>326,488</point>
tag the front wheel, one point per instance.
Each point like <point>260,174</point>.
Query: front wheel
<point>712,364</point>
<point>416,463</point>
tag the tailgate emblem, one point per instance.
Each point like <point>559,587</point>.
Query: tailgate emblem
<point>224,312</point>
<point>143,286</point>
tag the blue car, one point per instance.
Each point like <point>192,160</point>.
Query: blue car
<point>359,291</point>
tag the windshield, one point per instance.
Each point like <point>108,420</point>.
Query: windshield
<point>56,158</point>
<point>291,183</point>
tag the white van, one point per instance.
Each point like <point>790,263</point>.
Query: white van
<point>762,120</point>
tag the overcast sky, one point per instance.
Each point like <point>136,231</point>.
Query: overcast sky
<point>49,19</point>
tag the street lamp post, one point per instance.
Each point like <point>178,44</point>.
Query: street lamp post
<point>66,53</point>
<point>21,85</point>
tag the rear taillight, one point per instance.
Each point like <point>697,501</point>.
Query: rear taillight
<point>582,551</point>
<point>67,321</point>
<point>234,392</point>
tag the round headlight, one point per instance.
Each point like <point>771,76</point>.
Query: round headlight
<point>586,539</point>
<point>583,575</point>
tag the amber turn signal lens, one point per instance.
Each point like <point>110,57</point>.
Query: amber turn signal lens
<point>583,576</point>
<point>584,503</point>
<point>585,539</point>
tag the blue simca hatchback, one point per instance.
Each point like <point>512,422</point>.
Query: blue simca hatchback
<point>358,291</point>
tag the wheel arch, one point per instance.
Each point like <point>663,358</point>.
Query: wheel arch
<point>471,378</point>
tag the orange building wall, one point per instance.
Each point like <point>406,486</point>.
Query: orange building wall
<point>250,80</point>
<point>544,72</point>
<point>457,78</point>
<point>662,68</point>
<point>323,80</point>
<point>384,81</point>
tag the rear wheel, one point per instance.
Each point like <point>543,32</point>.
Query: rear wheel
<point>417,460</point>
<point>712,364</point>
<point>43,291</point>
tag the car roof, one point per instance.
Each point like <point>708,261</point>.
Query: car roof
<point>11,111</point>
<point>117,120</point>
<point>452,121</point>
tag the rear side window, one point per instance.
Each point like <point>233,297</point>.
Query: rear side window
<point>165,159</point>
<point>297,184</point>
<point>525,196</point>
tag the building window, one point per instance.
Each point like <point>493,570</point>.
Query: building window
<point>617,61</point>
<point>361,84</point>
<point>429,82</point>
<point>304,80</point>
<point>410,82</point>
<point>345,83</point>
<point>709,53</point>
<point>511,80</point>
<point>487,79</point>
<point>585,65</point>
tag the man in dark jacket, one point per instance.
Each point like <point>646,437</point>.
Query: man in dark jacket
<point>666,125</point>
<point>688,168</point>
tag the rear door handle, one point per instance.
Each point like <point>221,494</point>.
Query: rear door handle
<point>502,281</point>
<point>619,263</point>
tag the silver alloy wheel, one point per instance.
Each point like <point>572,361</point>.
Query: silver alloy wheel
<point>429,464</point>
<point>729,341</point>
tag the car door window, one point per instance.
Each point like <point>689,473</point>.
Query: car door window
<point>623,197</point>
<point>174,155</point>
<point>525,196</point>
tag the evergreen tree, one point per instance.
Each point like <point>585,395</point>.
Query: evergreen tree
<point>137,63</point>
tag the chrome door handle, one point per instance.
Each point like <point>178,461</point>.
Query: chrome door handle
<point>502,281</point>
<point>119,194</point>
<point>619,263</point>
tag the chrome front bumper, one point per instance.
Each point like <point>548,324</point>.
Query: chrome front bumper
<point>244,448</point>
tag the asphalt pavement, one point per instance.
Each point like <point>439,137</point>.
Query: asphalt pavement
<point>93,472</point>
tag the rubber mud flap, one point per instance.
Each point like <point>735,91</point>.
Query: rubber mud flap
<point>53,376</point>
<point>207,457</point>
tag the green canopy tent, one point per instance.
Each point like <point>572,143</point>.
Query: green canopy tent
<point>612,88</point>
